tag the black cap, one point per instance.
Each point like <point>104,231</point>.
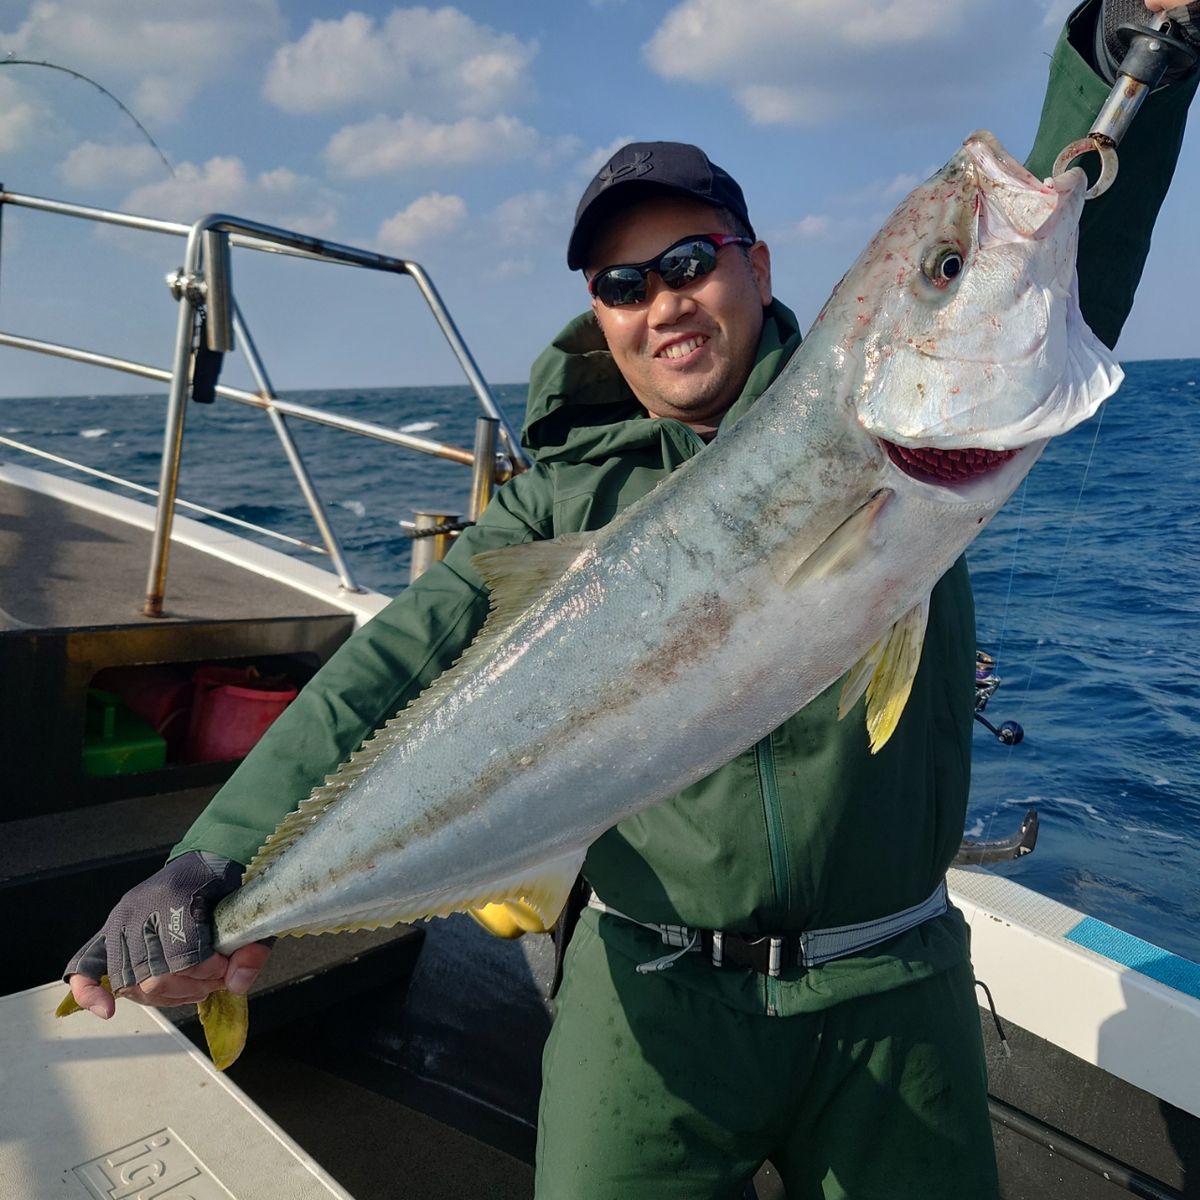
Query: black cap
<point>642,169</point>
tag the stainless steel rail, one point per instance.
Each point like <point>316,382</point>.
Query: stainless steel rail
<point>251,399</point>
<point>205,282</point>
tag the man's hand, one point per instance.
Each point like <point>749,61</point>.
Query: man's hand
<point>1185,26</point>
<point>1185,18</point>
<point>156,946</point>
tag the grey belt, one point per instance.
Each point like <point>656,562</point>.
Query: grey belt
<point>771,954</point>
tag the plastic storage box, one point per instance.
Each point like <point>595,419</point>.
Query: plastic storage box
<point>116,741</point>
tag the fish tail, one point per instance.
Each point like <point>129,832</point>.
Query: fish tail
<point>225,1019</point>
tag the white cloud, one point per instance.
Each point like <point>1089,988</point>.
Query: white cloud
<point>425,220</point>
<point>534,218</point>
<point>807,62</point>
<point>164,52</point>
<point>878,192</point>
<point>853,216</point>
<point>19,117</point>
<point>1056,13</point>
<point>430,60</point>
<point>768,104</point>
<point>813,226</point>
<point>509,268</point>
<point>386,145</point>
<point>904,183</point>
<point>278,197</point>
<point>91,164</point>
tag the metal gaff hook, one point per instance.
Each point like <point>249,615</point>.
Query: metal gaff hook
<point>1150,52</point>
<point>1108,162</point>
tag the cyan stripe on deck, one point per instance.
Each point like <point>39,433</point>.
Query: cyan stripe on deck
<point>1141,956</point>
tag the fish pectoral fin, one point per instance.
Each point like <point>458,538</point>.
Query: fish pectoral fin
<point>848,544</point>
<point>857,678</point>
<point>225,1019</point>
<point>886,673</point>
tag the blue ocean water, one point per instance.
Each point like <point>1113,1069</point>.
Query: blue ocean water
<point>1087,594</point>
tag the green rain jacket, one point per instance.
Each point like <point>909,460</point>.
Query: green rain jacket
<point>807,829</point>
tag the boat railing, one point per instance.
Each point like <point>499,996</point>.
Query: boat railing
<point>211,324</point>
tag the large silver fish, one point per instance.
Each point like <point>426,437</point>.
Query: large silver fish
<point>618,667</point>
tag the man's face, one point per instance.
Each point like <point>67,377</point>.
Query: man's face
<point>686,353</point>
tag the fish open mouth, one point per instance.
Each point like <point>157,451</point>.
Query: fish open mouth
<point>929,465</point>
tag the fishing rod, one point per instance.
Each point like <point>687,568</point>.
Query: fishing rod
<point>10,60</point>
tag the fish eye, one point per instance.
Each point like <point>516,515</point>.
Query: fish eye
<point>943,265</point>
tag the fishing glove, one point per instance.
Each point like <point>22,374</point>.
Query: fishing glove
<point>1110,46</point>
<point>161,926</point>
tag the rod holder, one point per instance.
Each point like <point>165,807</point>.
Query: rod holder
<point>431,548</point>
<point>483,473</point>
<point>218,278</point>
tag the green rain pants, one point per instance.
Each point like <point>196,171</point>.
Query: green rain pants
<point>652,1091</point>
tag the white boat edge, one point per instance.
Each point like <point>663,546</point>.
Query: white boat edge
<point>1083,985</point>
<point>227,545</point>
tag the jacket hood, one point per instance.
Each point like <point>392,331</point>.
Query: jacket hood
<point>580,408</point>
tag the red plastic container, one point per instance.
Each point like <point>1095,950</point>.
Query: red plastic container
<point>232,708</point>
<point>159,694</point>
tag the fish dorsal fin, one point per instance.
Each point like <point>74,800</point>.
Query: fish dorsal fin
<point>885,673</point>
<point>847,545</point>
<point>517,577</point>
<point>539,892</point>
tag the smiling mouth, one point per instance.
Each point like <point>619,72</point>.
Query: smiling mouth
<point>682,349</point>
<point>928,465</point>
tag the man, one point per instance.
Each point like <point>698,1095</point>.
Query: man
<point>666,1074</point>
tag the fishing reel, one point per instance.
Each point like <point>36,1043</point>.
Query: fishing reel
<point>978,851</point>
<point>1007,733</point>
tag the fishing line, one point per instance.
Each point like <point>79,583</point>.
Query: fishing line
<point>1062,560</point>
<point>11,61</point>
<point>1012,575</point>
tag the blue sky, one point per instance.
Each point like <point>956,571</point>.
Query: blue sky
<point>462,137</point>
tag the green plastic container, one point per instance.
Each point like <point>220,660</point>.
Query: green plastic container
<point>117,741</point>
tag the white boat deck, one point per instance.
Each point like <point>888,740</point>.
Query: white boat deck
<point>75,557</point>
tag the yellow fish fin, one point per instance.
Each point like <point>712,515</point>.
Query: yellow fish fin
<point>848,544</point>
<point>885,673</point>
<point>68,1005</point>
<point>225,1019</point>
<point>508,919</point>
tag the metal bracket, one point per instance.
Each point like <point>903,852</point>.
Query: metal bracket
<point>193,288</point>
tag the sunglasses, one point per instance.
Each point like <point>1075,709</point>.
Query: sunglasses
<point>689,259</point>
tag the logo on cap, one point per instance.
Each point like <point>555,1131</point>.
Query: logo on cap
<point>639,166</point>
